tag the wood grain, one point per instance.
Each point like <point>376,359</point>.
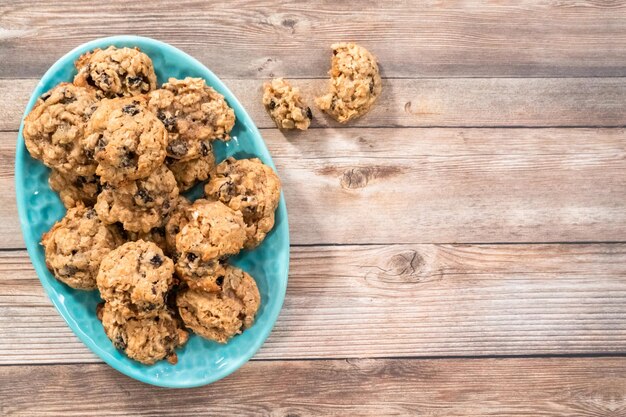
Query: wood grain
<point>259,39</point>
<point>499,122</point>
<point>392,301</point>
<point>10,233</point>
<point>434,185</point>
<point>468,102</point>
<point>453,387</point>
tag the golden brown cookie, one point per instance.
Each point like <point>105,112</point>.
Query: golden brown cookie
<point>128,141</point>
<point>116,72</point>
<point>213,231</point>
<point>75,246</point>
<point>194,114</point>
<point>55,128</point>
<point>188,173</point>
<point>75,189</point>
<point>146,339</point>
<point>250,187</point>
<point>135,278</point>
<point>285,105</point>
<point>139,205</point>
<point>222,314</point>
<point>175,222</point>
<point>355,83</point>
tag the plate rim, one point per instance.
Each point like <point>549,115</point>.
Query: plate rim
<point>32,246</point>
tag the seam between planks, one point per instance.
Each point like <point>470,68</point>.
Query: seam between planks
<point>459,77</point>
<point>494,127</point>
<point>324,245</point>
<point>383,358</point>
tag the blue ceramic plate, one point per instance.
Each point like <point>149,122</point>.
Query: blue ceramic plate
<point>200,362</point>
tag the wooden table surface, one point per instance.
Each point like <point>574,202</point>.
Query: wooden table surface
<point>460,250</point>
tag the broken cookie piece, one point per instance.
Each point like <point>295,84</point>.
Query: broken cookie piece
<point>354,83</point>
<point>285,106</point>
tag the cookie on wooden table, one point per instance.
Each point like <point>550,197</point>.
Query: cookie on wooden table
<point>355,83</point>
<point>285,106</point>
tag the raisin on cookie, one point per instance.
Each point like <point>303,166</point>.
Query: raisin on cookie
<point>146,339</point>
<point>128,141</point>
<point>250,187</point>
<point>222,314</point>
<point>75,246</point>
<point>139,205</point>
<point>75,189</point>
<point>285,105</point>
<point>116,72</point>
<point>194,114</point>
<point>55,128</point>
<point>354,83</point>
<point>135,278</point>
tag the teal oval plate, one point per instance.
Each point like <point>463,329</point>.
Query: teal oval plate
<point>200,361</point>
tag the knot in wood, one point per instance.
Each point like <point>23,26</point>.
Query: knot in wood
<point>405,264</point>
<point>402,268</point>
<point>356,178</point>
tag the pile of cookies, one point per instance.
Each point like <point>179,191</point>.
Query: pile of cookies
<point>355,84</point>
<point>121,152</point>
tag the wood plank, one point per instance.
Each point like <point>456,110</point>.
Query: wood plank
<point>469,102</point>
<point>393,301</point>
<point>453,387</point>
<point>243,39</point>
<point>434,185</point>
<point>10,233</point>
